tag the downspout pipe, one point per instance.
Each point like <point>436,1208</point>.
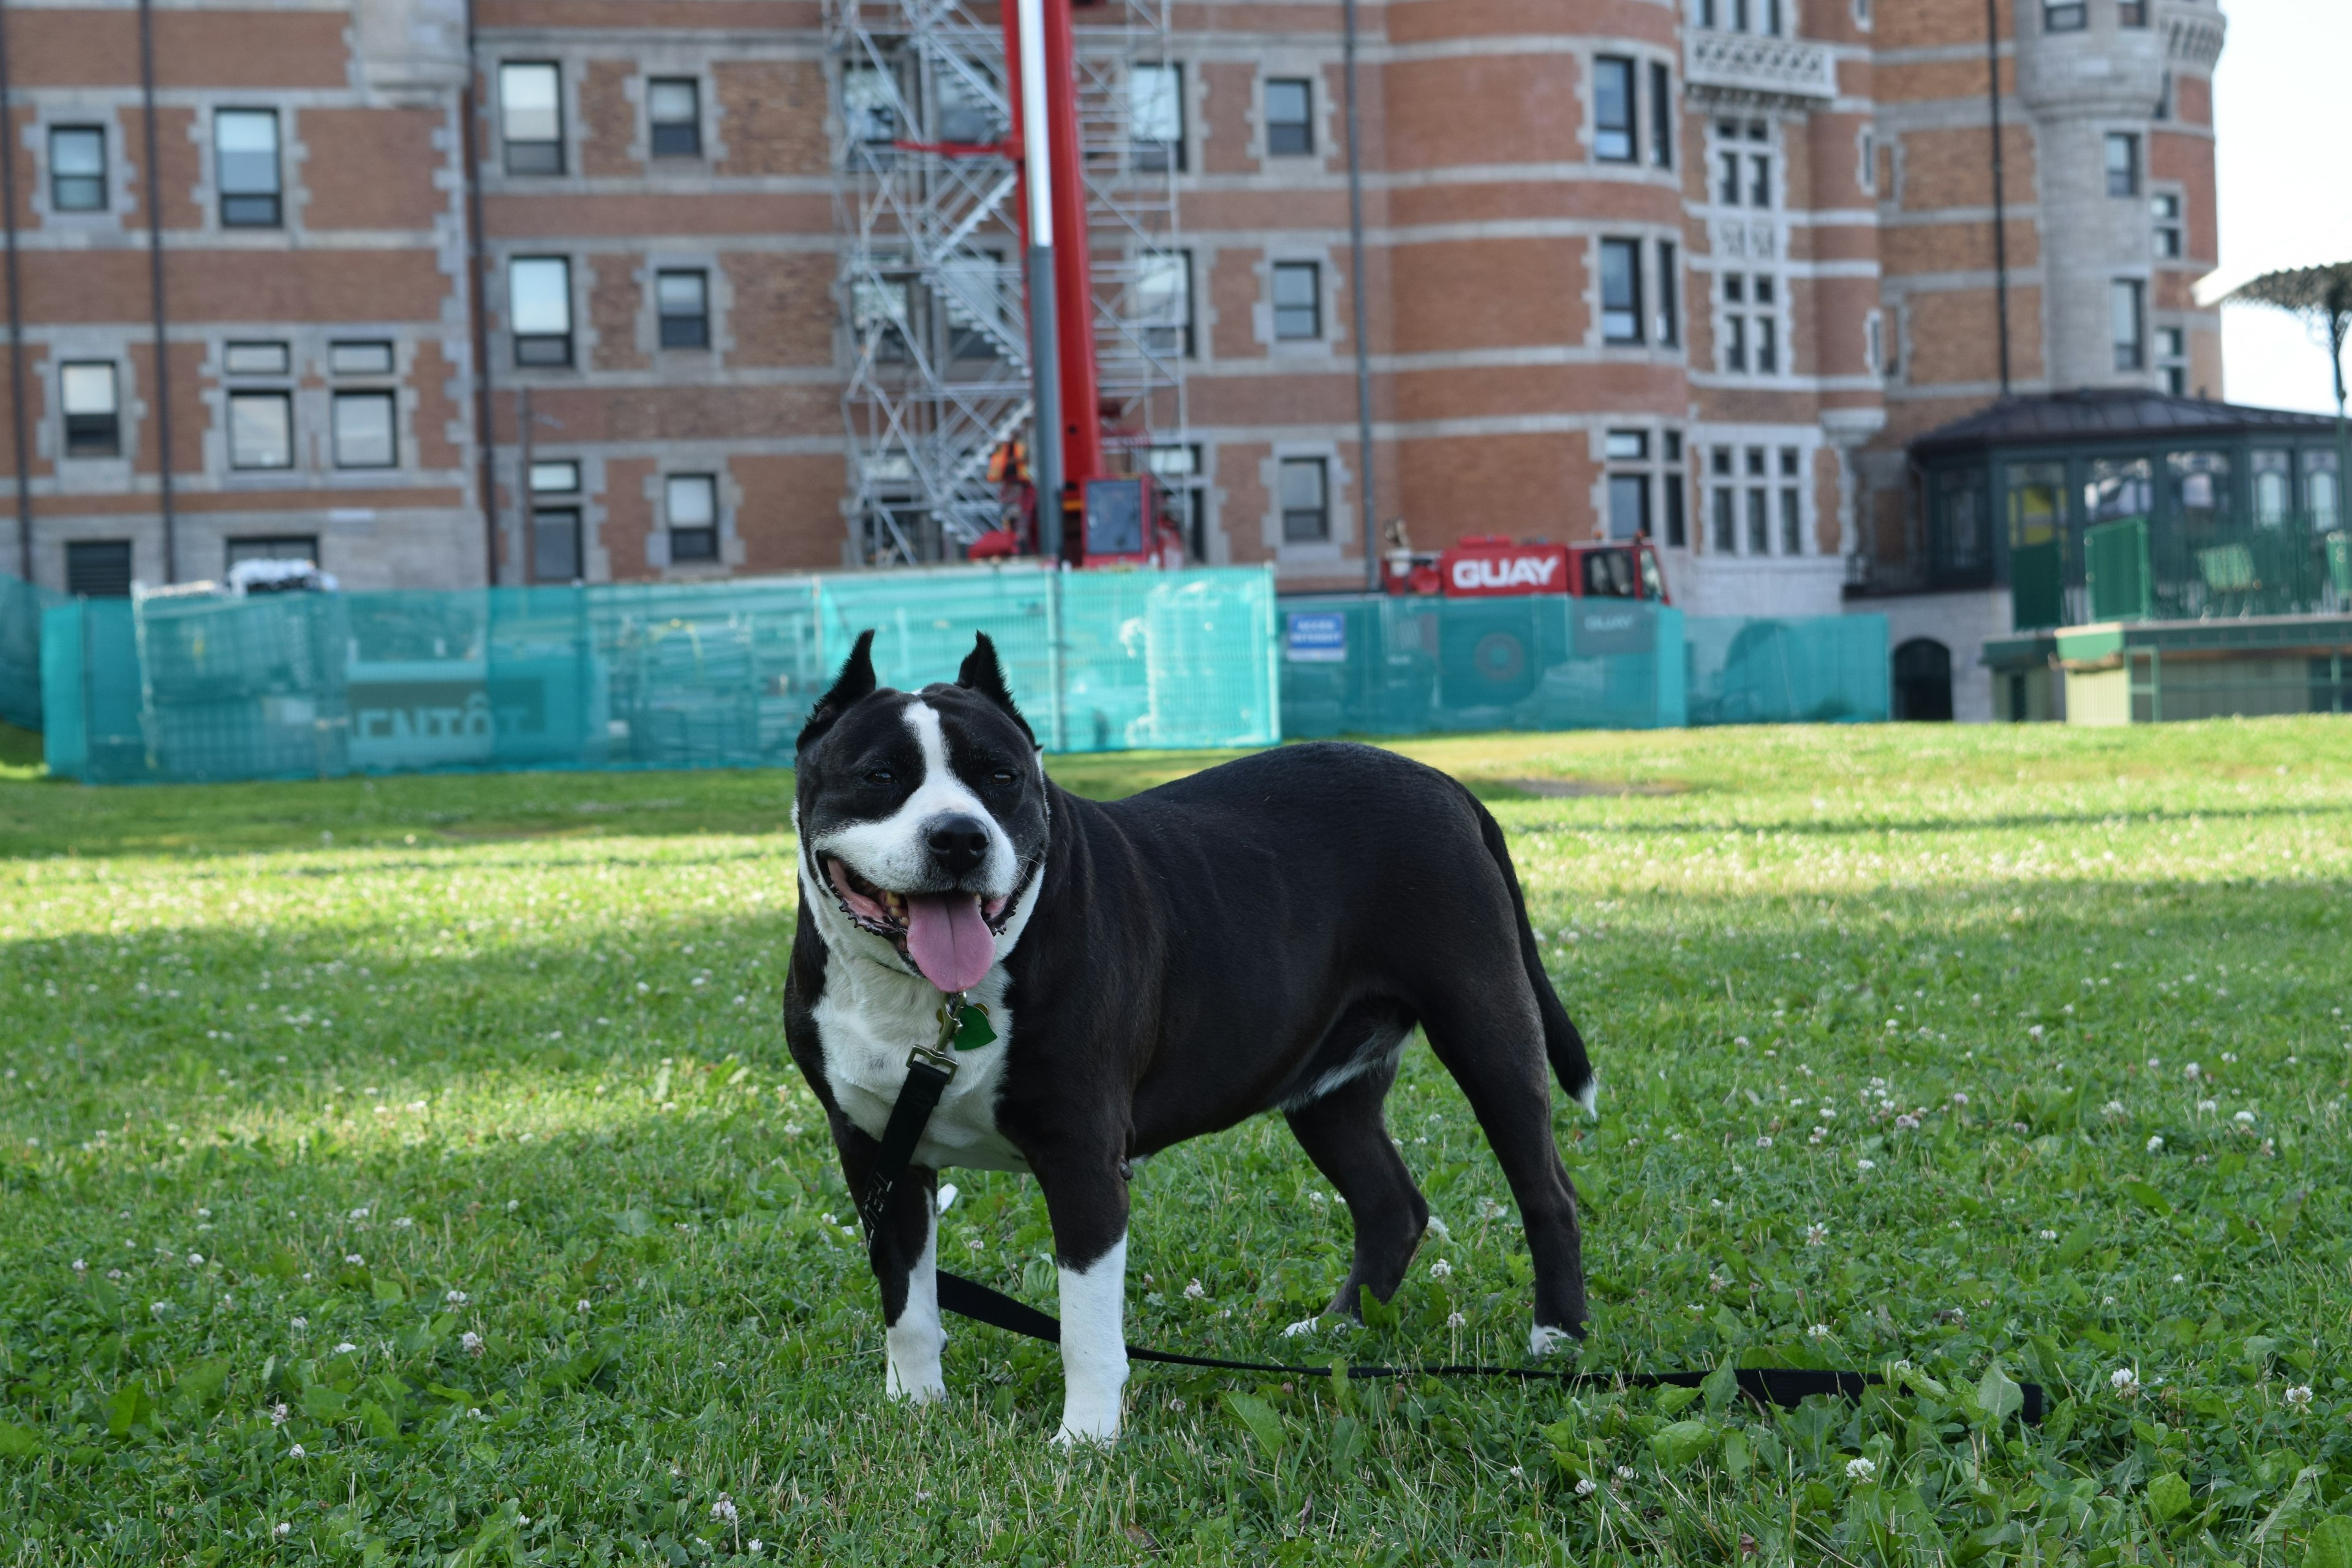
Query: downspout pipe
<point>1028,58</point>
<point>2000,203</point>
<point>477,310</point>
<point>23,447</point>
<point>154,187</point>
<point>1357,285</point>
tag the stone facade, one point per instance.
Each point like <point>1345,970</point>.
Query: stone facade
<point>1698,268</point>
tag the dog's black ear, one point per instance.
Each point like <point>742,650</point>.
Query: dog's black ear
<point>983,676</point>
<point>856,681</point>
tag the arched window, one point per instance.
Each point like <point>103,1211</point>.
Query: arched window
<point>1923,680</point>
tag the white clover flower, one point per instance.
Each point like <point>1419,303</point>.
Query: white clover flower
<point>2049,1235</point>
<point>354,1259</point>
<point>1192,1292</point>
<point>2180,1280</point>
<point>1624,1472</point>
<point>1821,1135</point>
<point>2299,1397</point>
<point>298,1324</point>
<point>1906,1122</point>
<point>2156,1142</point>
<point>345,1348</point>
<point>2244,1119</point>
<point>1764,1141</point>
<point>587,1307</point>
<point>1456,1321</point>
<point>1584,1487</point>
<point>2190,1070</point>
<point>1861,1472</point>
<point>723,1509</point>
<point>159,1308</point>
<point>1816,1235</point>
<point>404,1223</point>
<point>283,1530</point>
<point>278,1414</point>
<point>2125,1381</point>
<point>1441,1269</point>
<point>1818,1331</point>
<point>457,1298</point>
<point>195,1260</point>
<point>360,1213</point>
<point>1960,1099</point>
<point>2036,1033</point>
<point>470,1343</point>
<point>297,1452</point>
<point>2114,1108</point>
<point>755,1546</point>
<point>80,1265</point>
<point>2208,1106</point>
<point>1865,1164</point>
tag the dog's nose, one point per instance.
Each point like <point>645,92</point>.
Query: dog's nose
<point>957,844</point>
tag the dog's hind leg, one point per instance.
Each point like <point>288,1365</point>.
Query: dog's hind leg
<point>1347,1136</point>
<point>1488,1032</point>
<point>904,1252</point>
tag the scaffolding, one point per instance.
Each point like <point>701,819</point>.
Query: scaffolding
<point>930,287</point>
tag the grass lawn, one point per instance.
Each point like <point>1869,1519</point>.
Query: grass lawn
<point>413,1168</point>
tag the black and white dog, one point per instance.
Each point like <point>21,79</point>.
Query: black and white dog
<point>1262,935</point>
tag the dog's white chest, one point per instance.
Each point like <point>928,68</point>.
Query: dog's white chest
<point>869,1019</point>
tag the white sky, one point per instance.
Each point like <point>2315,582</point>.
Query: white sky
<point>2279,99</point>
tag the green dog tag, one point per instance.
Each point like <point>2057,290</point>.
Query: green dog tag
<point>972,1031</point>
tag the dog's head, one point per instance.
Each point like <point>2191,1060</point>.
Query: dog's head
<point>922,817</point>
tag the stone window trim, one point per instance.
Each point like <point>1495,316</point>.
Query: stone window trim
<point>1338,499</point>
<point>533,138</point>
<point>726,548</point>
<point>1330,324</point>
<point>1755,482</point>
<point>1308,139</point>
<point>1656,452</point>
<point>68,191</point>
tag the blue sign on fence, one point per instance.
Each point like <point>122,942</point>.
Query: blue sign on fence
<point>1319,637</point>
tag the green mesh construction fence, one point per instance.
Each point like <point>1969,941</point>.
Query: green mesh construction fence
<point>316,685</point>
<point>21,604</point>
<point>1379,666</point>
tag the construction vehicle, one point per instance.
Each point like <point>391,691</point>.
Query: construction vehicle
<point>1494,566</point>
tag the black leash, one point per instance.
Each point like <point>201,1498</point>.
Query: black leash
<point>931,1068</point>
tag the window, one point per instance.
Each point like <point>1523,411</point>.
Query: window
<point>98,569</point>
<point>554,530</point>
<point>245,167</point>
<point>1867,177</point>
<point>1706,12</point>
<point>1751,342</point>
<point>364,435</point>
<point>1621,290</point>
<point>1304,494</point>
<point>2163,98</point>
<point>1759,180</point>
<point>2131,13</point>
<point>1727,186</point>
<point>693,506</point>
<point>878,313</point>
<point>674,110</point>
<point>1289,117</point>
<point>1671,486</point>
<point>2123,163</point>
<point>93,416</point>
<point>1792,502</point>
<point>1628,506</point>
<point>2172,358</point>
<point>1767,346</point>
<point>530,116</point>
<point>538,308</point>
<point>261,430</point>
<point>272,547</point>
<point>870,105</point>
<point>2126,322</point>
<point>1177,469</point>
<point>2274,487</point>
<point>2064,16</point>
<point>1670,294</point>
<point>1163,298</point>
<point>968,110</point>
<point>1873,338</point>
<point>362,358</point>
<point>1297,300</point>
<point>555,476</point>
<point>682,300</point>
<point>1724,526</point>
<point>1760,521</point>
<point>1155,116</point>
<point>76,169</point>
<point>1662,115</point>
<point>2320,495</point>
<point>1735,343</point>
<point>2166,211</point>
<point>256,359</point>
<point>1612,109</point>
<point>1625,444</point>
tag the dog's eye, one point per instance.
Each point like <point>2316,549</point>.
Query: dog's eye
<point>1001,776</point>
<point>881,777</point>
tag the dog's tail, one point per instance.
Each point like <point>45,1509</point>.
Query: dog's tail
<point>1562,1044</point>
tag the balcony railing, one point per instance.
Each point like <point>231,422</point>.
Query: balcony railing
<point>1758,66</point>
<point>2186,569</point>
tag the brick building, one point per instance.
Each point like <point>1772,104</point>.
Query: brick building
<point>1697,269</point>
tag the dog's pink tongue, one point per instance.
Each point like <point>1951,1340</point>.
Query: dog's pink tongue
<point>949,941</point>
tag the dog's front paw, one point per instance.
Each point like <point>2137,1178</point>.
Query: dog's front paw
<point>1092,1429</point>
<point>1543,1338</point>
<point>922,1387</point>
